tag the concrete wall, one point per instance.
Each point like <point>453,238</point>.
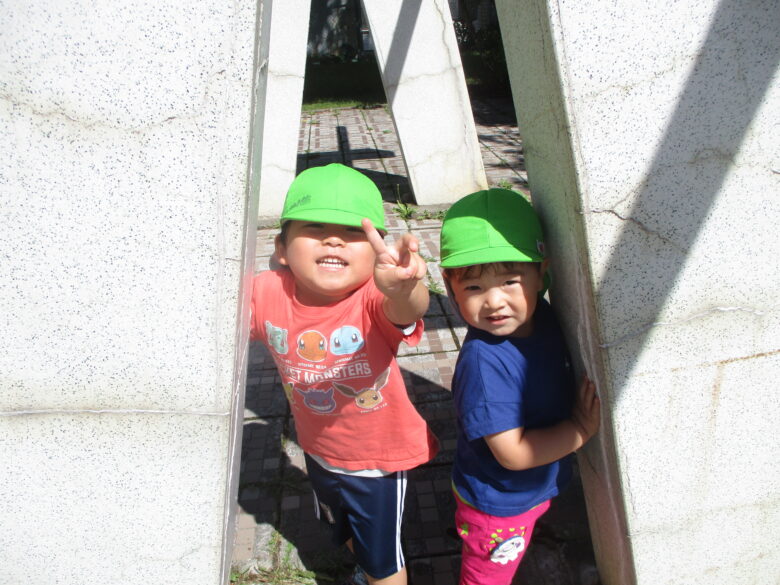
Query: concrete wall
<point>124,157</point>
<point>426,91</point>
<point>282,61</point>
<point>650,135</point>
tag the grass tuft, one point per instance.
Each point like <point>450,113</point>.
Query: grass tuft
<point>281,576</point>
<point>404,210</point>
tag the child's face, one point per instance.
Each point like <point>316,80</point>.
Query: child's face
<point>501,300</point>
<point>329,261</point>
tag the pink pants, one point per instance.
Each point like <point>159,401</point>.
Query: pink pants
<point>493,546</point>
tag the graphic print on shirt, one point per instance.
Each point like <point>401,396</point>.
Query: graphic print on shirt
<point>346,340</point>
<point>312,346</point>
<point>317,399</point>
<point>318,368</point>
<point>366,398</point>
<point>277,338</point>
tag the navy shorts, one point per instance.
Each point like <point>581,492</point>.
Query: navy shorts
<point>368,510</point>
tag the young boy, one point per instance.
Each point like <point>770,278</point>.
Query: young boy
<point>332,317</point>
<point>513,388</point>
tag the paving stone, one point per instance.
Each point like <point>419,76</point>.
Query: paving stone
<point>430,511</point>
<point>245,521</point>
<point>264,395</point>
<point>437,338</point>
<point>440,417</point>
<point>428,377</point>
<point>243,551</point>
<point>260,453</point>
<point>442,570</point>
<point>306,542</point>
<point>295,464</point>
<point>427,231</point>
<point>246,538</point>
<point>259,358</point>
<point>266,545</point>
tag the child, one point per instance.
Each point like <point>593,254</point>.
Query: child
<point>513,387</point>
<point>333,316</point>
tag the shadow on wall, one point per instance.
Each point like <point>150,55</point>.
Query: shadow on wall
<point>399,47</point>
<point>712,117</point>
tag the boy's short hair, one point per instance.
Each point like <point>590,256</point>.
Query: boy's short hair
<point>496,225</point>
<point>334,194</point>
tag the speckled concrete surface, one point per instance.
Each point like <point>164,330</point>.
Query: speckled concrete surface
<point>277,527</point>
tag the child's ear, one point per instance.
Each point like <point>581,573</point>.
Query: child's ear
<point>280,251</point>
<point>450,294</point>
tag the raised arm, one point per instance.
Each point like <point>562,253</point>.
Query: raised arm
<point>518,449</point>
<point>398,274</point>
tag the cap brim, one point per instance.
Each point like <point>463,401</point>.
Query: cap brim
<point>336,216</point>
<point>488,256</point>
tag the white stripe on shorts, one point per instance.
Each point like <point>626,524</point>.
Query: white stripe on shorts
<point>399,509</point>
<point>316,505</point>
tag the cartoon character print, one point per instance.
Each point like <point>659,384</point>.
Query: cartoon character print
<point>277,338</point>
<point>508,550</point>
<point>317,400</point>
<point>312,346</point>
<point>346,340</point>
<point>503,548</point>
<point>366,398</point>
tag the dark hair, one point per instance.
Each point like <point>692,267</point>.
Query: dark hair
<point>283,232</point>
<point>476,270</point>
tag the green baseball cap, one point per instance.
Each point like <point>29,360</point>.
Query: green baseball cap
<point>334,194</point>
<point>496,225</point>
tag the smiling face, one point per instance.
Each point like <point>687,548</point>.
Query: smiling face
<point>501,298</point>
<point>329,261</point>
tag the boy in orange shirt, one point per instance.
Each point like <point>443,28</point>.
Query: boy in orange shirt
<point>333,317</point>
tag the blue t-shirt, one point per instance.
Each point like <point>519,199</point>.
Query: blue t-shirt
<point>502,383</point>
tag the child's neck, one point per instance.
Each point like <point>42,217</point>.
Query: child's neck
<point>310,298</point>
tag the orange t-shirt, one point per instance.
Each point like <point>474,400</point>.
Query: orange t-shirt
<point>339,372</point>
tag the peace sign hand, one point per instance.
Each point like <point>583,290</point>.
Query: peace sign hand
<point>398,268</point>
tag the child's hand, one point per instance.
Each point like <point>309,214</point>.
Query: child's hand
<point>586,414</point>
<point>397,269</point>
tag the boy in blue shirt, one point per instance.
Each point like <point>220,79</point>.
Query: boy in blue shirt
<point>518,417</point>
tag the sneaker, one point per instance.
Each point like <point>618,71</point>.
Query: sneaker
<point>358,577</point>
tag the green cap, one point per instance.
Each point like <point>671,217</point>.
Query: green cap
<point>334,194</point>
<point>497,225</point>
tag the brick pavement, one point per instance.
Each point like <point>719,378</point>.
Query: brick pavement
<point>276,528</point>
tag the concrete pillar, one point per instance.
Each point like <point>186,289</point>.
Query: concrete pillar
<point>650,134</point>
<point>124,187</point>
<point>280,83</point>
<point>426,91</point>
